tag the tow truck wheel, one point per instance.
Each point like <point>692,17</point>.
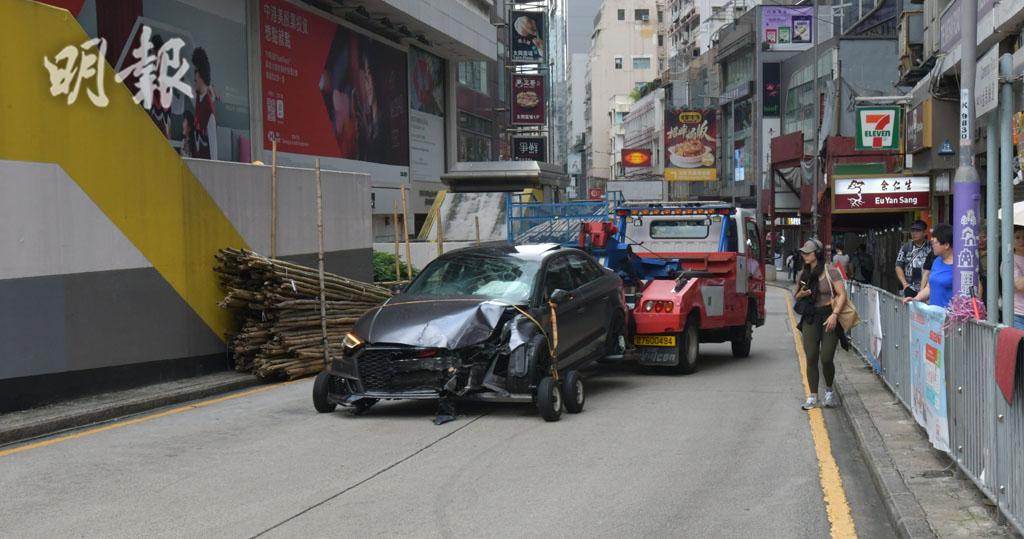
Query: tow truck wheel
<point>572,390</point>
<point>689,350</point>
<point>549,399</point>
<point>741,342</point>
<point>320,402</point>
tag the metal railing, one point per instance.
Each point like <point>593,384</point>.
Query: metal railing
<point>986,435</point>
<point>531,222</point>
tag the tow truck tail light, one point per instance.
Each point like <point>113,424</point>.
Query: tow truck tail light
<point>668,306</point>
<point>659,306</point>
<point>648,306</point>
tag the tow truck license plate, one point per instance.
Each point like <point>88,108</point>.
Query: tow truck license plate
<point>659,356</point>
<point>654,340</point>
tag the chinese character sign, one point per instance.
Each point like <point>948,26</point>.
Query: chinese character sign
<point>75,64</point>
<point>895,193</point>
<point>928,372</point>
<point>157,72</point>
<point>690,145</point>
<point>527,39</point>
<point>529,149</point>
<point>528,100</point>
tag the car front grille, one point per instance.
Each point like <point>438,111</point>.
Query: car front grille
<point>393,369</point>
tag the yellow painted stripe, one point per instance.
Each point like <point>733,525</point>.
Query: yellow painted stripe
<point>115,154</point>
<point>836,505</point>
<point>143,419</point>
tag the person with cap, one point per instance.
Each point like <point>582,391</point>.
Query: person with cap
<point>913,259</point>
<point>938,285</point>
<point>819,329</point>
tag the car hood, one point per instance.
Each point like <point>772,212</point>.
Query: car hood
<point>430,322</point>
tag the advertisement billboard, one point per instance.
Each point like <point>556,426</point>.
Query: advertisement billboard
<point>919,133</point>
<point>426,116</point>
<point>928,372</point>
<point>636,158</point>
<point>880,194</point>
<point>527,37</point>
<point>787,28</point>
<point>529,149</point>
<point>690,145</point>
<point>528,100</point>
<point>771,80</point>
<point>330,91</point>
<point>878,128</point>
<point>209,39</point>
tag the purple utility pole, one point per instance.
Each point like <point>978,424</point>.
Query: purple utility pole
<point>966,184</point>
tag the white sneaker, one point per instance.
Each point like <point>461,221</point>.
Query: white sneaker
<point>812,401</point>
<point>830,400</point>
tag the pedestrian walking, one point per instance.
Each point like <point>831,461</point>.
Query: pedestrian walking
<point>819,326</point>
<point>912,258</point>
<point>938,289</point>
<point>791,266</point>
<point>842,260</point>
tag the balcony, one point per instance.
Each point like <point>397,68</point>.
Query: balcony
<point>913,66</point>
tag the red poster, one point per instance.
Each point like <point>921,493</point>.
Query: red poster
<point>528,100</point>
<point>329,91</point>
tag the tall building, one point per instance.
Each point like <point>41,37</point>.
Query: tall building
<point>579,21</point>
<point>626,53</point>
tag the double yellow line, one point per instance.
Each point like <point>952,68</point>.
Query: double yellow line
<point>836,505</point>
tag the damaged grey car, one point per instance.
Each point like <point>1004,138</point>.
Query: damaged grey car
<point>495,323</point>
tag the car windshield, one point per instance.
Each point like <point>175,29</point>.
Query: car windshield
<point>680,229</point>
<point>502,277</point>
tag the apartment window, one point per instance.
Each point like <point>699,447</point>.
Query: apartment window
<point>661,40</point>
<point>619,117</point>
<point>639,85</point>
<point>474,76</point>
<point>622,14</point>
<point>661,16</point>
<point>642,62</point>
<point>641,15</point>
<point>618,62</point>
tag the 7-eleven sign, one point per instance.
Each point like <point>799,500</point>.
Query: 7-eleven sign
<point>878,128</point>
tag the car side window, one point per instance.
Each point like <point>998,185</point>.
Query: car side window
<point>557,276</point>
<point>583,270</point>
<point>753,240</point>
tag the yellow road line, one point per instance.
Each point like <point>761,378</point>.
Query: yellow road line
<point>136,421</point>
<point>836,505</point>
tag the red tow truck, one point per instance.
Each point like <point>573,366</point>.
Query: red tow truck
<point>694,273</point>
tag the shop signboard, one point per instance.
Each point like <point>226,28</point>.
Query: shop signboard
<point>878,128</point>
<point>771,90</point>
<point>919,130</point>
<point>426,116</point>
<point>690,145</point>
<point>880,194</point>
<point>331,91</point>
<point>529,149</point>
<point>787,28</point>
<point>595,193</point>
<point>986,82</point>
<point>636,158</point>
<point>527,39</point>
<point>528,100</point>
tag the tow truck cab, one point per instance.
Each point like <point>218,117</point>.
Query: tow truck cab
<point>701,280</point>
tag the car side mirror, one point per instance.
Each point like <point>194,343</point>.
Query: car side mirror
<point>559,297</point>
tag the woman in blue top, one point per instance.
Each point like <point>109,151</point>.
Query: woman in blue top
<point>938,290</point>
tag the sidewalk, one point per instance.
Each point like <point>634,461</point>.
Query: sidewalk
<point>16,426</point>
<point>922,489</point>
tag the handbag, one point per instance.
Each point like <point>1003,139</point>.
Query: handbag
<point>804,306</point>
<point>848,317</point>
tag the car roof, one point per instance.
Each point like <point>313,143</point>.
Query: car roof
<point>536,252</point>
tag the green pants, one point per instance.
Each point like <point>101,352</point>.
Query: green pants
<point>819,346</point>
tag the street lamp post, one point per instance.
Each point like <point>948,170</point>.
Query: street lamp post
<point>966,185</point>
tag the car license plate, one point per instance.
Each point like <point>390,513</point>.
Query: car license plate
<point>659,356</point>
<point>654,340</point>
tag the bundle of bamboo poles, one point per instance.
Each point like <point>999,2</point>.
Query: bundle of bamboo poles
<point>281,334</point>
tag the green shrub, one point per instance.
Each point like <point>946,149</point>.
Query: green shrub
<point>384,268</point>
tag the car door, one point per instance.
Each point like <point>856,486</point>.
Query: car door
<point>557,275</point>
<point>592,289</point>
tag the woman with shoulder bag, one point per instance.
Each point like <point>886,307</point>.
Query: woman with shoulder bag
<point>821,290</point>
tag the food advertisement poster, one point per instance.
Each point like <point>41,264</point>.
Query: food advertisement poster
<point>928,372</point>
<point>528,100</point>
<point>330,91</point>
<point>527,39</point>
<point>636,158</point>
<point>690,145</point>
<point>787,28</point>
<point>426,116</point>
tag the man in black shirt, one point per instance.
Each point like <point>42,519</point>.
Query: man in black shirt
<point>912,262</point>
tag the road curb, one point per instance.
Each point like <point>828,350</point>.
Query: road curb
<point>905,512</point>
<point>15,430</point>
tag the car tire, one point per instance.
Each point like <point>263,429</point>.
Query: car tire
<point>689,350</point>
<point>549,399</point>
<point>320,387</point>
<point>616,331</point>
<point>573,392</point>
<point>742,341</point>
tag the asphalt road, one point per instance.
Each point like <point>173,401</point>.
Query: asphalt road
<point>726,452</point>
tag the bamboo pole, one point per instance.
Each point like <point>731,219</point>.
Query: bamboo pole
<point>273,198</point>
<point>440,237</point>
<point>476,221</point>
<point>394,220</point>
<point>320,256</point>
<point>405,231</point>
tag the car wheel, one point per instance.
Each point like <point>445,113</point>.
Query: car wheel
<point>320,386</point>
<point>741,342</point>
<point>614,344</point>
<point>549,399</point>
<point>689,350</point>
<point>573,391</point>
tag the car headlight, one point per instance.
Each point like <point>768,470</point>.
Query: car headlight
<point>351,343</point>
